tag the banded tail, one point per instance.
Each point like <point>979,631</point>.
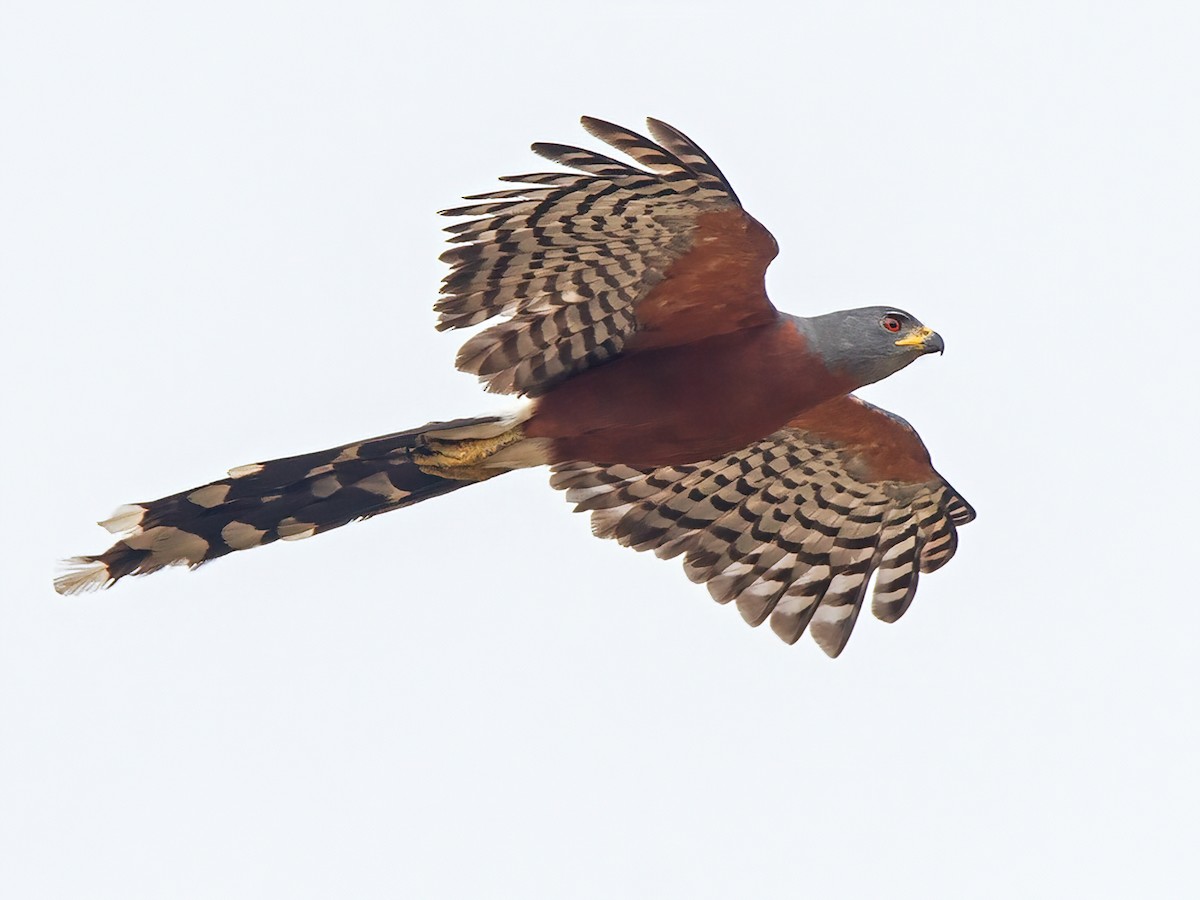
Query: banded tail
<point>299,496</point>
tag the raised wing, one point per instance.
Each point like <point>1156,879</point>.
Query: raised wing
<point>578,264</point>
<point>794,526</point>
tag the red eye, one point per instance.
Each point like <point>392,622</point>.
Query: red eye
<point>890,323</point>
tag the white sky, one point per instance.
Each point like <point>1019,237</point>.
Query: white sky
<point>217,245</point>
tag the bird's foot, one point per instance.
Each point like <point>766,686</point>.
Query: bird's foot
<point>464,460</point>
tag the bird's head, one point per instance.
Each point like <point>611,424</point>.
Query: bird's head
<point>870,343</point>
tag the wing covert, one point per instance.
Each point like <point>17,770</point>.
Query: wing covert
<point>577,263</point>
<point>792,527</point>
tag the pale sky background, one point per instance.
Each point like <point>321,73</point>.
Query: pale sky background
<point>218,245</point>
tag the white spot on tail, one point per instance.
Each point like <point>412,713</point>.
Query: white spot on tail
<point>169,546</point>
<point>243,471</point>
<point>127,518</point>
<point>299,535</point>
<point>80,575</point>
<point>241,536</point>
<point>325,487</point>
<point>292,530</point>
<point>210,495</point>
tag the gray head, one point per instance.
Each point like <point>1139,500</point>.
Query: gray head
<point>870,343</point>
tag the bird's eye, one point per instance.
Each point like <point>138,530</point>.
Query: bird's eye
<point>890,323</point>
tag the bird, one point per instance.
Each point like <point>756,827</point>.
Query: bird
<point>666,393</point>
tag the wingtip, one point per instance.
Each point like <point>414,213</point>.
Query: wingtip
<point>960,511</point>
<point>655,124</point>
<point>601,129</point>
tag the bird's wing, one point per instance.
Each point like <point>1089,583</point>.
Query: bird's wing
<point>578,263</point>
<point>793,526</point>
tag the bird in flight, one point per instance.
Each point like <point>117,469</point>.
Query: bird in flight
<point>667,394</point>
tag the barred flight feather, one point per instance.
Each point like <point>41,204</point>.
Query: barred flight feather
<point>569,257</point>
<point>782,528</point>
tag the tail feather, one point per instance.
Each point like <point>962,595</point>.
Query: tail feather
<point>289,499</point>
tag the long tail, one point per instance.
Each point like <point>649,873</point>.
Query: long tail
<point>296,497</point>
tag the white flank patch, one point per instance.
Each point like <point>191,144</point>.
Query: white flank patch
<point>209,496</point>
<point>80,575</point>
<point>502,423</point>
<point>243,471</point>
<point>525,454</point>
<point>127,518</point>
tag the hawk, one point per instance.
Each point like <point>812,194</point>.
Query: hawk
<point>666,393</point>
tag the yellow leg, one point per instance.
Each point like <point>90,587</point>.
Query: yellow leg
<point>463,460</point>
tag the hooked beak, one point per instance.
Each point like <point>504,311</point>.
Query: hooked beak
<point>925,339</point>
